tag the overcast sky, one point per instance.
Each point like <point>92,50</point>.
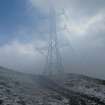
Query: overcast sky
<point>24,30</point>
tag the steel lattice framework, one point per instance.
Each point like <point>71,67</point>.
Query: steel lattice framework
<point>54,61</point>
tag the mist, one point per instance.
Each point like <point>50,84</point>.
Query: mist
<point>24,32</point>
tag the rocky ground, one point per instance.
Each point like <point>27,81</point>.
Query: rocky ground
<point>25,89</point>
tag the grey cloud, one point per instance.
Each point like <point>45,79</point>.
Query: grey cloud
<point>86,25</point>
<point>86,34</point>
<point>21,56</point>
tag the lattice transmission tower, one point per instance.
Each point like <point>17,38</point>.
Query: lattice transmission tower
<point>54,64</point>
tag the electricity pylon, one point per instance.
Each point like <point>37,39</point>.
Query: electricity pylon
<point>54,64</point>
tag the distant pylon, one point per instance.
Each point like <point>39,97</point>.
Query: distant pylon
<point>54,61</point>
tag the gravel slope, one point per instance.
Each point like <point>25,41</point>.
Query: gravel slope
<point>25,89</point>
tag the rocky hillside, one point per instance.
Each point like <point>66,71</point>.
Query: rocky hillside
<point>25,89</point>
